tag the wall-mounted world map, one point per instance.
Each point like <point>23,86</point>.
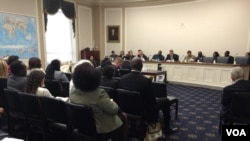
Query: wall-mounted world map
<point>18,36</point>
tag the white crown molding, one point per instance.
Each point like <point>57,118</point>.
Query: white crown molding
<point>128,3</point>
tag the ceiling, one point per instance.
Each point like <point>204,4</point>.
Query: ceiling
<point>128,2</point>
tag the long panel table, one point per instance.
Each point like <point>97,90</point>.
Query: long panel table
<point>206,74</point>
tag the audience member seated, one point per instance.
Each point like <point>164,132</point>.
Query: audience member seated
<point>35,83</point>
<point>34,64</point>
<point>142,56</point>
<point>200,57</point>
<point>239,85</point>
<point>117,65</point>
<point>108,73</point>
<point>215,55</point>
<point>130,55</point>
<point>172,57</point>
<point>126,65</point>
<point>86,80</point>
<point>189,57</point>
<point>71,85</point>
<point>92,60</point>
<point>113,55</point>
<point>135,81</point>
<point>11,59</point>
<point>53,71</point>
<point>230,59</point>
<point>158,56</point>
<point>17,80</point>
<point>3,85</point>
<point>106,61</point>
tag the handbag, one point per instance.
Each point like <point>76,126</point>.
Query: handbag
<point>154,132</point>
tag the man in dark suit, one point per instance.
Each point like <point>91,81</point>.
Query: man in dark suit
<point>107,78</point>
<point>117,66</point>
<point>239,85</point>
<point>158,56</point>
<point>142,56</point>
<point>171,56</point>
<point>135,81</point>
<point>230,58</point>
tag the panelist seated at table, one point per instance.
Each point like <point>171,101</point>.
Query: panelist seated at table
<point>142,56</point>
<point>230,58</point>
<point>172,57</point>
<point>189,57</point>
<point>200,57</point>
<point>158,56</point>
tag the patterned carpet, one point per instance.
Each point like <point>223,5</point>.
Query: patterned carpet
<point>198,116</point>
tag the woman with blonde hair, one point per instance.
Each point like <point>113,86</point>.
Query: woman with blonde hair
<point>3,69</point>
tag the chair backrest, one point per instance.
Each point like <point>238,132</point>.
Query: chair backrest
<point>31,105</point>
<point>68,75</point>
<point>65,87</point>
<point>124,71</point>
<point>159,89</point>
<point>208,59</point>
<point>54,86</point>
<point>240,104</point>
<point>53,109</point>
<point>111,92</point>
<point>82,118</point>
<point>3,99</point>
<point>130,102</point>
<point>242,60</point>
<point>223,60</point>
<point>13,101</point>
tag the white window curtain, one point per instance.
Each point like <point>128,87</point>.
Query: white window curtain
<point>60,41</point>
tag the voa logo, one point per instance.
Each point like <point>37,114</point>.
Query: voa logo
<point>236,132</point>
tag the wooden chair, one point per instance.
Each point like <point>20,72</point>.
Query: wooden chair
<point>55,118</point>
<point>54,86</point>
<point>160,90</point>
<point>111,92</point>
<point>34,117</point>
<point>239,112</point>
<point>65,87</point>
<point>131,103</point>
<point>124,71</point>
<point>81,122</point>
<point>15,113</point>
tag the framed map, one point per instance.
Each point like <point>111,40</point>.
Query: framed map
<point>18,36</point>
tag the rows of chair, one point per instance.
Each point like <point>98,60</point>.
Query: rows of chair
<point>49,118</point>
<point>131,103</point>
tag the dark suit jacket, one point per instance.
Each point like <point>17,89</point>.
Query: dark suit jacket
<point>117,72</point>
<point>135,81</point>
<point>175,57</point>
<point>230,60</point>
<point>228,91</point>
<point>157,56</point>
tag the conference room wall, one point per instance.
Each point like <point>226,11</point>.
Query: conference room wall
<point>206,25</point>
